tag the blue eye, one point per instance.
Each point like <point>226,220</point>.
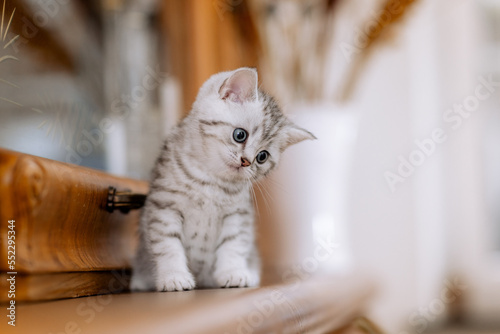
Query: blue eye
<point>240,135</point>
<point>262,157</point>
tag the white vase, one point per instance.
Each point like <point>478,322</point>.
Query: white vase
<point>306,226</point>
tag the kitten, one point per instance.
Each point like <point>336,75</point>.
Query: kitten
<point>197,225</point>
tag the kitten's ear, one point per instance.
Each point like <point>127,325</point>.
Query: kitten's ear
<point>295,135</point>
<point>240,87</point>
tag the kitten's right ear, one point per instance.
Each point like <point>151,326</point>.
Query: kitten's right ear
<point>295,135</point>
<point>240,87</point>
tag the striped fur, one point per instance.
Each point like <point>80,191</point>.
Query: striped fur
<point>197,225</point>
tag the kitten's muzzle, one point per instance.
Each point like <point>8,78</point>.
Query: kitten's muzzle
<point>245,162</point>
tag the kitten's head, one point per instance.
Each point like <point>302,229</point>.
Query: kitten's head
<point>243,131</point>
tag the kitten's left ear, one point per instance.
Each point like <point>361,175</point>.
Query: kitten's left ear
<point>240,87</point>
<point>295,135</point>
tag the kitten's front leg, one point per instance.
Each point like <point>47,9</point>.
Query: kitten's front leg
<point>232,251</point>
<point>165,235</point>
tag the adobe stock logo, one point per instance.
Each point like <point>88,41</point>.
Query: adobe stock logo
<point>454,118</point>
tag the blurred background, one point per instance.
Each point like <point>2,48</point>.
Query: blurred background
<point>404,181</point>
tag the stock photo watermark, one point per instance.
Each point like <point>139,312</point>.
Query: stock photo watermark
<point>362,36</point>
<point>88,310</point>
<point>11,274</point>
<point>453,117</point>
<point>322,252</point>
<point>121,109</point>
<point>421,319</point>
<point>266,308</point>
<point>47,10</point>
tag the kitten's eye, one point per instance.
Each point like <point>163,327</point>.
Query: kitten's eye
<point>262,157</point>
<point>240,135</point>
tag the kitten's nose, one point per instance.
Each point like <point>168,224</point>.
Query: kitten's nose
<point>245,162</point>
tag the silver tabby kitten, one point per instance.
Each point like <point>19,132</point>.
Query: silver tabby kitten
<point>197,225</point>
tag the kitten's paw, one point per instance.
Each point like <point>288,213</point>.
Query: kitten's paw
<point>236,278</point>
<point>175,281</point>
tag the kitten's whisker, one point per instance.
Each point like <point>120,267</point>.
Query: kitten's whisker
<point>267,198</point>
<point>254,196</point>
<point>264,198</point>
<point>277,185</point>
<point>265,191</point>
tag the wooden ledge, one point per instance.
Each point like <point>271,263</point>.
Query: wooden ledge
<point>318,305</point>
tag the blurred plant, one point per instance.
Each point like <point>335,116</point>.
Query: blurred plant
<point>297,39</point>
<point>373,30</point>
<point>4,30</point>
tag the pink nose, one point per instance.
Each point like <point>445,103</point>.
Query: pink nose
<point>245,162</point>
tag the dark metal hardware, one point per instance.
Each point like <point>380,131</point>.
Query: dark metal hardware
<point>123,200</point>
